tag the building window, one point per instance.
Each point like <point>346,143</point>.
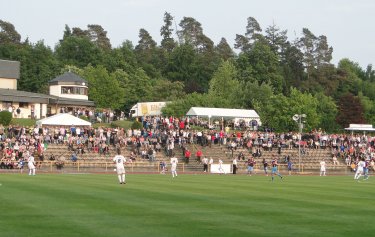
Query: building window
<point>23,104</point>
<point>7,104</point>
<point>73,90</point>
<point>49,110</point>
<point>66,90</point>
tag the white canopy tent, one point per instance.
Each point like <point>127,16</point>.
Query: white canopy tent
<point>225,113</point>
<point>62,119</point>
<point>360,127</point>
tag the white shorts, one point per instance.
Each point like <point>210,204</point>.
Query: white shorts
<point>359,171</point>
<point>31,166</point>
<point>120,170</point>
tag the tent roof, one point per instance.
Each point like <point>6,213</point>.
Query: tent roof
<point>220,112</point>
<point>63,119</point>
<point>360,127</point>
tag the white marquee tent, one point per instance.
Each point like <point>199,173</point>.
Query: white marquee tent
<point>360,127</point>
<point>62,119</point>
<point>224,113</point>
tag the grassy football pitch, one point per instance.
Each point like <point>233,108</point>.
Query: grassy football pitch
<point>189,205</point>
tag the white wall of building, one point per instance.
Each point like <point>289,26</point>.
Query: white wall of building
<point>26,112</point>
<point>56,91</point>
<point>8,83</point>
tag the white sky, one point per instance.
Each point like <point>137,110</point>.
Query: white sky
<point>346,23</point>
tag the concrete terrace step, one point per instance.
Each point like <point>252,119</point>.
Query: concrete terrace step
<point>310,160</point>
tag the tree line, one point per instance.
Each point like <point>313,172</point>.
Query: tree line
<point>265,71</point>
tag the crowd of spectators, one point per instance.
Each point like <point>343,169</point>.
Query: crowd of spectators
<point>162,134</point>
<point>105,116</point>
<point>17,144</point>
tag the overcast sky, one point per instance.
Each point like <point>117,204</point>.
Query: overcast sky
<point>348,24</point>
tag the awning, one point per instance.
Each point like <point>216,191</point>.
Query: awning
<point>62,119</point>
<point>361,127</point>
<point>222,113</point>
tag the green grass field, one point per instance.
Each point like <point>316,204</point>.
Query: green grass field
<point>189,205</point>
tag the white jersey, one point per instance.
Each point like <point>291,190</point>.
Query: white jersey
<point>120,161</point>
<point>360,166</point>
<point>234,162</point>
<point>174,162</point>
<point>205,161</point>
<point>322,166</point>
<point>30,164</point>
<point>220,163</point>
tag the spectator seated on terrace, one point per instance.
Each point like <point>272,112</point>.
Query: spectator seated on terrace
<point>74,157</point>
<point>132,156</point>
<point>232,145</point>
<point>81,149</point>
<point>151,154</point>
<point>158,147</point>
<point>241,156</point>
<point>7,164</point>
<point>52,157</point>
<point>144,154</point>
<point>334,160</point>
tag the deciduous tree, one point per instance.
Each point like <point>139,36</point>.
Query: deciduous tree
<point>350,110</point>
<point>224,83</point>
<point>105,89</point>
<point>8,33</point>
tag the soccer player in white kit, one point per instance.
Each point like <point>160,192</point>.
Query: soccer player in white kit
<point>31,165</point>
<point>120,168</point>
<point>361,164</point>
<point>174,162</point>
<point>221,167</point>
<point>322,168</point>
<point>210,163</point>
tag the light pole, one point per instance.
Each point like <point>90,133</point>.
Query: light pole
<point>298,118</point>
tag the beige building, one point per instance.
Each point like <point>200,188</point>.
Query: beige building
<point>68,92</point>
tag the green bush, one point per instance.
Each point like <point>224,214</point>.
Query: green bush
<point>122,124</point>
<point>103,125</point>
<point>137,125</point>
<point>25,122</point>
<point>5,117</point>
<point>83,117</point>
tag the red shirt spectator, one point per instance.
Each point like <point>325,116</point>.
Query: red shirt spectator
<point>198,155</point>
<point>238,135</point>
<point>182,125</point>
<point>187,155</point>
